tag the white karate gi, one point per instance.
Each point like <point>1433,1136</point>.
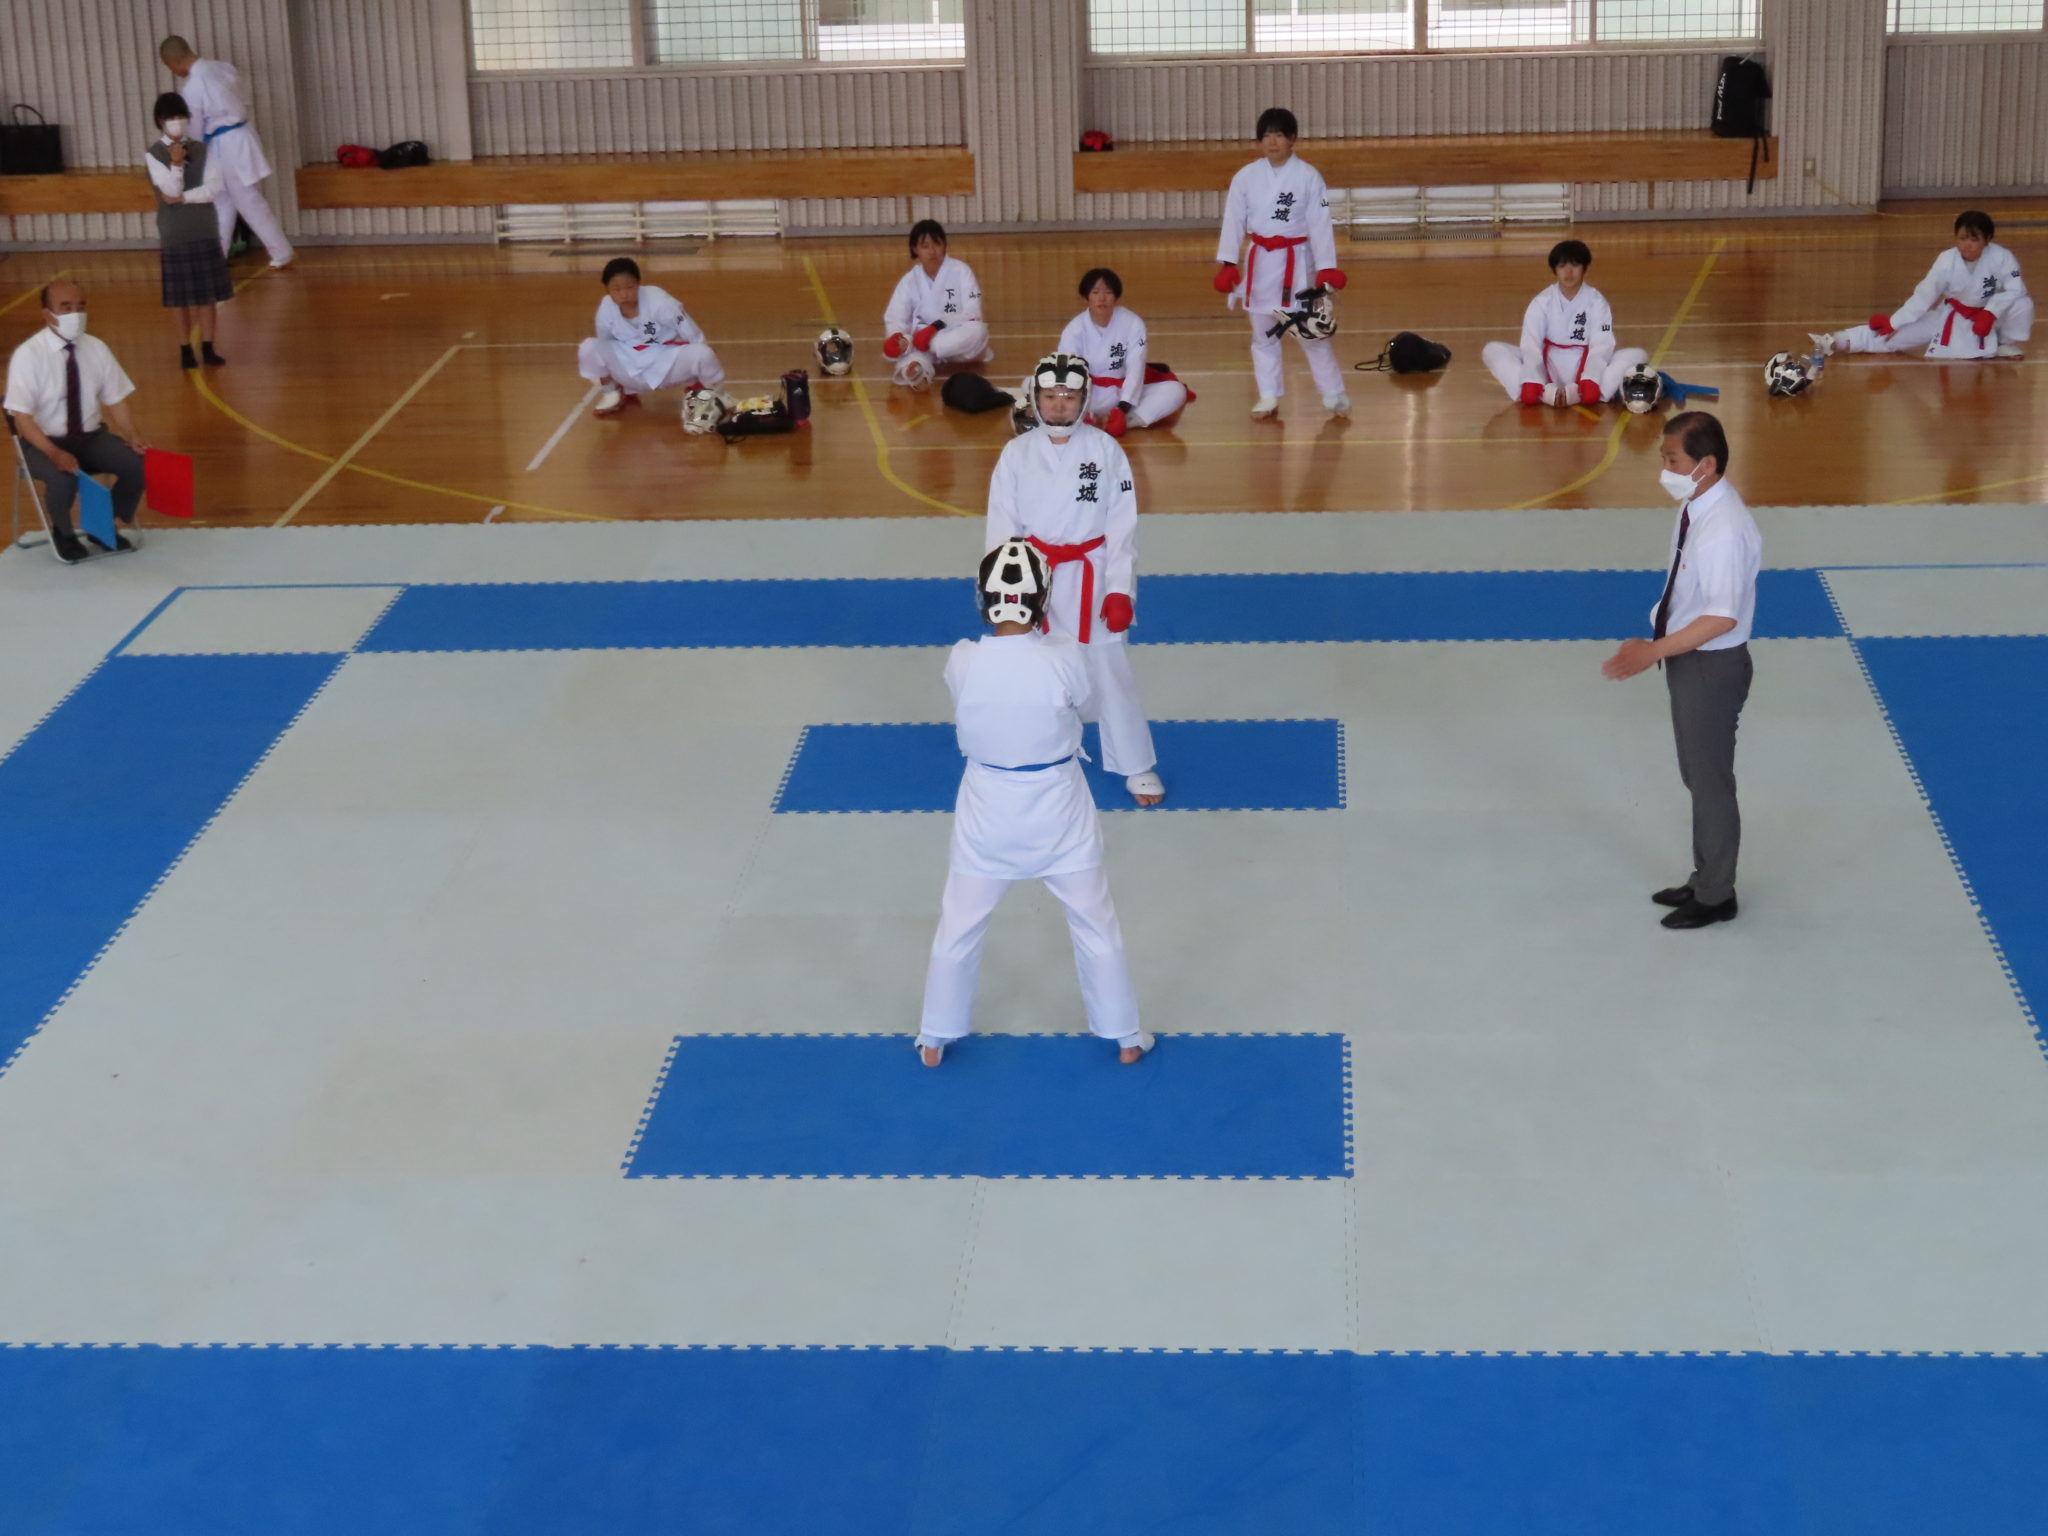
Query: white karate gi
<point>1061,496</point>
<point>660,348</point>
<point>952,299</point>
<point>1938,315</point>
<point>1115,354</point>
<point>213,91</point>
<point>1024,813</point>
<point>1563,341</point>
<point>1268,206</point>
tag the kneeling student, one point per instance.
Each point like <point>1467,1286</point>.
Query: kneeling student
<point>1024,811</point>
<point>645,341</point>
<point>1567,354</point>
<point>934,316</point>
<point>1971,305</point>
<point>1127,390</point>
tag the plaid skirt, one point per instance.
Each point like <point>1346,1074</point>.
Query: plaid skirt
<point>196,273</point>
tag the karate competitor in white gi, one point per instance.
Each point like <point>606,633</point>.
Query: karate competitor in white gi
<point>1279,205</point>
<point>1065,488</point>
<point>1567,354</point>
<point>645,341</point>
<point>934,316</point>
<point>1971,305</point>
<point>1024,811</point>
<point>213,90</point>
<point>1128,391</point>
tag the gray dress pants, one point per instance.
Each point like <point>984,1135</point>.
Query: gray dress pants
<point>1708,689</point>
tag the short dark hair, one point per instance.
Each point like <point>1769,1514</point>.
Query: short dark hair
<point>1277,120</point>
<point>925,227</point>
<point>170,105</point>
<point>618,265</point>
<point>1701,436</point>
<point>1096,275</point>
<point>1573,251</point>
<point>1977,222</point>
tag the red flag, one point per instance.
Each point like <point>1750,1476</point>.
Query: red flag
<point>168,481</point>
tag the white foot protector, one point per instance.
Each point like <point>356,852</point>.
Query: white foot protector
<point>988,354</point>
<point>914,371</point>
<point>1141,1042</point>
<point>609,401</point>
<point>1823,342</point>
<point>1553,394</point>
<point>2011,351</point>
<point>1266,407</point>
<point>1146,783</point>
<point>1337,405</point>
<point>930,1052</point>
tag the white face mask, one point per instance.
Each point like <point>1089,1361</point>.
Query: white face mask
<point>71,326</point>
<point>1677,486</point>
<point>174,127</point>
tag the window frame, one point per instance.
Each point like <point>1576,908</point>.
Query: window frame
<point>2009,34</point>
<point>645,65</point>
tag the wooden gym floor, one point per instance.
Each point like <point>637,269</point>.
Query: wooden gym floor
<point>434,384</point>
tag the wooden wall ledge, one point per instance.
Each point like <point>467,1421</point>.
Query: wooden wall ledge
<point>78,192</point>
<point>1449,160</point>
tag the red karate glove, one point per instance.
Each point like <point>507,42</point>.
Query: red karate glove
<point>1882,324</point>
<point>1532,394</point>
<point>923,339</point>
<point>1116,419</point>
<point>1331,278</point>
<point>1983,323</point>
<point>896,345</point>
<point>1589,392</point>
<point>1226,277</point>
<point>1116,613</point>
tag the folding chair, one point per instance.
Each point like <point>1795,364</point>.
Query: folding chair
<point>16,538</point>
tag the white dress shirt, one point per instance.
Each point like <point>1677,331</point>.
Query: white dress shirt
<point>1717,571</point>
<point>170,179</point>
<point>35,381</point>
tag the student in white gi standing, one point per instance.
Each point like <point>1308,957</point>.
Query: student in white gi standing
<point>1278,204</point>
<point>934,316</point>
<point>1024,811</point>
<point>1129,389</point>
<point>1971,305</point>
<point>645,341</point>
<point>221,122</point>
<point>1065,488</point>
<point>1567,354</point>
<point>1699,632</point>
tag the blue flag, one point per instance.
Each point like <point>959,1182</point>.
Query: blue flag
<point>95,510</point>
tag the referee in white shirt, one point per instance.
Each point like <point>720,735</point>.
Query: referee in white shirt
<point>64,391</point>
<point>1699,630</point>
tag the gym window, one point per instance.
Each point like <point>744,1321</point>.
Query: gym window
<point>1935,17</point>
<point>527,35</point>
<point>1165,28</point>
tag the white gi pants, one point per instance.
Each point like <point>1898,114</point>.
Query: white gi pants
<point>245,199</point>
<point>1964,345</point>
<point>961,342</point>
<point>1158,402</point>
<point>1115,707</point>
<point>1504,361</point>
<point>955,971</point>
<point>1270,370</point>
<point>656,368</point>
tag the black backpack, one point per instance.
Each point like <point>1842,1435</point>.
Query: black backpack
<point>971,393</point>
<point>401,157</point>
<point>1408,353</point>
<point>1742,107</point>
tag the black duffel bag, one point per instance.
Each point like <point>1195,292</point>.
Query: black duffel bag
<point>30,149</point>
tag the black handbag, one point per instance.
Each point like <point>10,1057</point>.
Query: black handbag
<point>403,156</point>
<point>30,149</point>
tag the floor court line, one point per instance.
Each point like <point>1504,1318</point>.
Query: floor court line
<point>34,288</point>
<point>348,454</point>
<point>562,431</point>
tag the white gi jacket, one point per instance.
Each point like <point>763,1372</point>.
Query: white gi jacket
<point>1115,353</point>
<point>635,347</point>
<point>953,296</point>
<point>213,90</point>
<point>1990,282</point>
<point>1065,498</point>
<point>1284,214</point>
<point>1567,339</point>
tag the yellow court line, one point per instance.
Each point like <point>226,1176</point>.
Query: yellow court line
<point>867,410</point>
<point>1975,490</point>
<point>22,297</point>
<point>1621,424</point>
<point>336,466</point>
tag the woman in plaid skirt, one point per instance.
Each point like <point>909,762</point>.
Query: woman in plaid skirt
<point>195,273</point>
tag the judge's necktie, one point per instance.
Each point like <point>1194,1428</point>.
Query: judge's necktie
<point>1671,581</point>
<point>74,403</point>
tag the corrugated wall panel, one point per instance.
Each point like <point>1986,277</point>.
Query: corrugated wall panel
<point>1966,114</point>
<point>378,71</point>
<point>1023,108</point>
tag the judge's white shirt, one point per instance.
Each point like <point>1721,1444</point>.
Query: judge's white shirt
<point>1580,329</point>
<point>1288,201</point>
<point>1718,568</point>
<point>1017,703</point>
<point>213,90</point>
<point>35,381</point>
<point>1115,351</point>
<point>1069,493</point>
<point>1990,282</point>
<point>953,296</point>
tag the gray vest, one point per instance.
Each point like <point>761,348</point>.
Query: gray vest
<point>184,223</point>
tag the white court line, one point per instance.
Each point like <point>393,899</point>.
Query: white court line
<point>492,515</point>
<point>357,446</point>
<point>562,431</point>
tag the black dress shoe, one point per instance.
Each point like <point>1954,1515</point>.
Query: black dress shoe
<point>187,358</point>
<point>1672,896</point>
<point>68,547</point>
<point>211,358</point>
<point>1697,914</point>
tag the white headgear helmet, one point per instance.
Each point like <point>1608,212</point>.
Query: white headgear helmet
<point>1785,374</point>
<point>835,352</point>
<point>1641,389</point>
<point>1314,315</point>
<point>1013,584</point>
<point>1058,370</point>
<point>703,410</point>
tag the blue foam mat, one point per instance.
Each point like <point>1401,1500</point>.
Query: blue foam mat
<point>1199,1106</point>
<point>1215,765</point>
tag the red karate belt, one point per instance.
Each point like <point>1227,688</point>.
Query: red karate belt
<point>1568,346</point>
<point>1101,383</point>
<point>1285,243</point>
<point>646,344</point>
<point>1958,307</point>
<point>1057,555</point>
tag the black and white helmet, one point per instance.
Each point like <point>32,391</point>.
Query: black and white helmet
<point>835,352</point>
<point>1058,370</point>
<point>1788,374</point>
<point>1641,388</point>
<point>1023,409</point>
<point>1313,315</point>
<point>1013,584</point>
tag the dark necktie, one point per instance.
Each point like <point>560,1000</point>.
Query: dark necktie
<point>74,402</point>
<point>1671,581</point>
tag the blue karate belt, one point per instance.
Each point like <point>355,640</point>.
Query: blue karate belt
<point>214,133</point>
<point>1030,767</point>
